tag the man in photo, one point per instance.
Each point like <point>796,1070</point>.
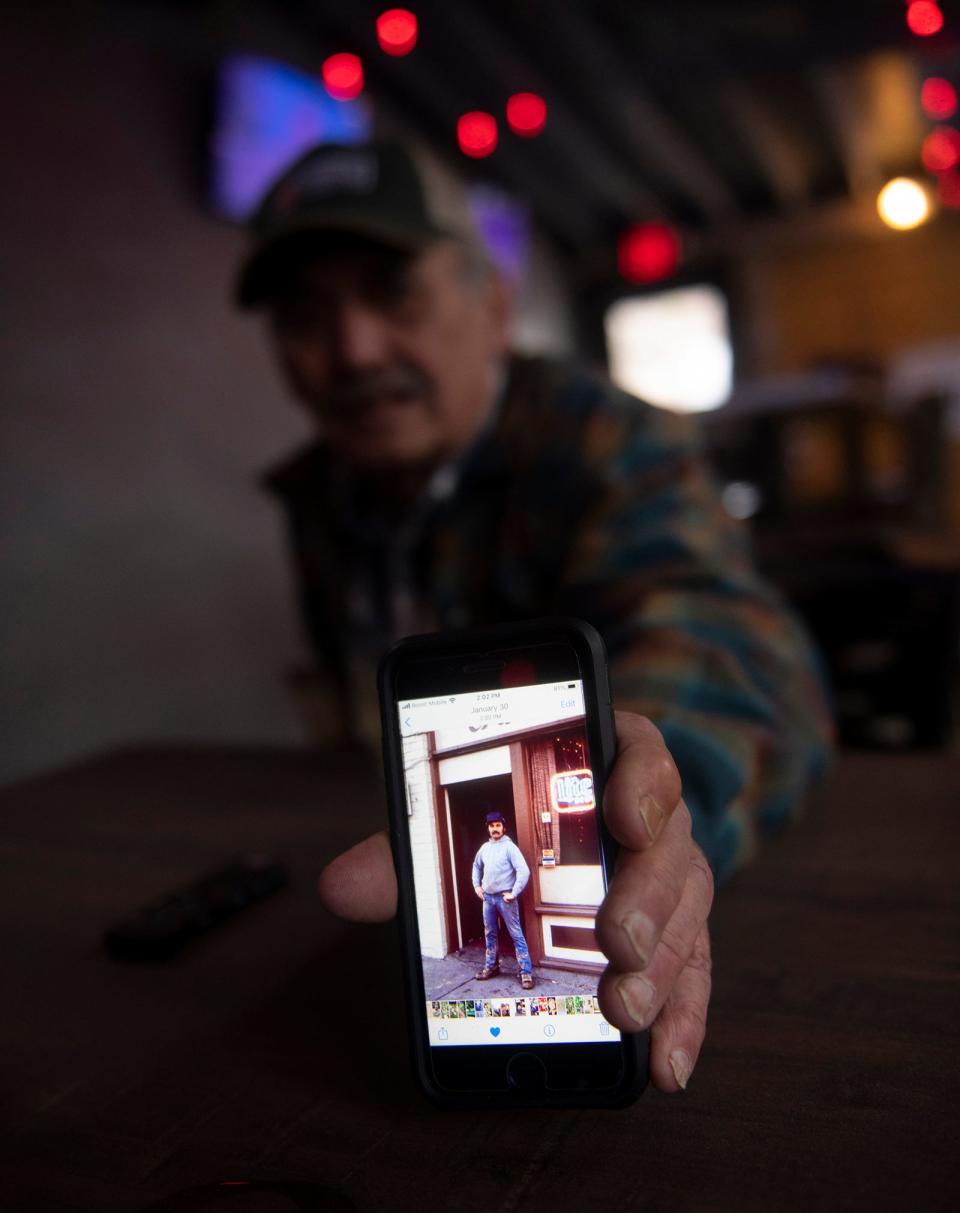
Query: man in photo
<point>500,875</point>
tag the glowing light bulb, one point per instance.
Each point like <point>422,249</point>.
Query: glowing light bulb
<point>342,76</point>
<point>526,114</point>
<point>477,134</point>
<point>903,204</point>
<point>941,150</point>
<point>939,98</point>
<point>648,252</point>
<point>924,18</point>
<point>397,31</point>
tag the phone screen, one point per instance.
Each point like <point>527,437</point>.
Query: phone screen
<point>507,867</point>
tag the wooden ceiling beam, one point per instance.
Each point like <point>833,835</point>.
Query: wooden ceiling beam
<point>774,151</point>
<point>848,124</point>
<point>424,99</point>
<point>655,145</point>
<point>873,118</point>
<point>584,165</point>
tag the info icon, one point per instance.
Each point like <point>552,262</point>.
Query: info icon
<point>549,1030</point>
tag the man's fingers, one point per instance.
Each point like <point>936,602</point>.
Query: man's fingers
<point>361,885</point>
<point>679,1029</point>
<point>632,999</point>
<point>644,786</point>
<point>644,894</point>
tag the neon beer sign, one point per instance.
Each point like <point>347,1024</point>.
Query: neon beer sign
<point>572,791</point>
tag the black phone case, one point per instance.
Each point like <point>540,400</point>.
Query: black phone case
<point>601,735</point>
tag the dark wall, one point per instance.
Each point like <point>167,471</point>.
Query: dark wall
<point>144,589</point>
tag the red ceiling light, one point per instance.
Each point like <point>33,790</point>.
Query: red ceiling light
<point>526,114</point>
<point>648,252</point>
<point>343,76</point>
<point>477,134</point>
<point>948,189</point>
<point>397,31</point>
<point>924,18</point>
<point>941,150</point>
<point>939,98</point>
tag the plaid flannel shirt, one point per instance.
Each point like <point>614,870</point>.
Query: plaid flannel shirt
<point>582,500</point>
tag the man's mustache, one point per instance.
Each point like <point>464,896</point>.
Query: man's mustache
<point>358,391</point>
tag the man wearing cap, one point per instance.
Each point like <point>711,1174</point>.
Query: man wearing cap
<point>452,483</point>
<point>500,875</point>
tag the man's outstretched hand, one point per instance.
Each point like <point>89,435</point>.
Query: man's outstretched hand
<point>652,924</point>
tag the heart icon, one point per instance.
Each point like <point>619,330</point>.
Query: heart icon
<point>494,1031</point>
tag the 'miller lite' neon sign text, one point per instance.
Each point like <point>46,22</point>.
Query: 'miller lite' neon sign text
<point>572,791</point>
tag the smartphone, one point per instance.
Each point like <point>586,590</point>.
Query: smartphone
<point>497,743</point>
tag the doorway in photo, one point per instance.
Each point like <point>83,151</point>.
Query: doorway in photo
<point>468,803</point>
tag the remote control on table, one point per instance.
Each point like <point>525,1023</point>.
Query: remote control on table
<point>161,928</point>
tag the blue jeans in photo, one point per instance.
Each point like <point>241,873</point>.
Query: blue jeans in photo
<point>509,911</point>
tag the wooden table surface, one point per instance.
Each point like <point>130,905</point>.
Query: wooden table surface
<point>276,1048</point>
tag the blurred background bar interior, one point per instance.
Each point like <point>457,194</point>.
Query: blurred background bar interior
<point>686,193</point>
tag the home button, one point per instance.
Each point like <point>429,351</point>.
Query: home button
<point>526,1072</point>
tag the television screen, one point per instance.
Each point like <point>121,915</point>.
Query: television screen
<point>267,114</point>
<point>503,224</point>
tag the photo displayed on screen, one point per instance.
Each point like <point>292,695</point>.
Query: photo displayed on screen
<point>506,865</point>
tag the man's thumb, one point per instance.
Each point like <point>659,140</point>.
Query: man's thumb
<point>360,885</point>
